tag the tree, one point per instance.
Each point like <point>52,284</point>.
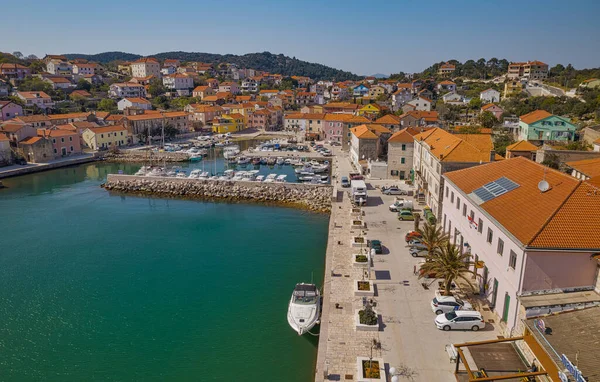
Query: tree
<point>501,142</point>
<point>475,103</point>
<point>18,55</point>
<point>450,265</point>
<point>433,237</point>
<point>487,119</point>
<point>83,85</point>
<point>107,104</point>
<point>156,88</point>
<point>32,57</point>
<point>552,160</point>
<point>35,84</point>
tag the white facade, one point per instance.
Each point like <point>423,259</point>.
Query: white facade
<point>250,85</point>
<point>145,68</point>
<point>429,171</point>
<point>178,82</point>
<point>295,124</point>
<point>59,67</point>
<point>168,70</point>
<point>39,99</point>
<point>420,104</point>
<point>134,103</point>
<point>127,90</point>
<point>400,159</point>
<point>490,96</point>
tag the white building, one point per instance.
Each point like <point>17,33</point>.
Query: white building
<point>490,96</point>
<point>180,83</point>
<point>83,69</point>
<point>127,90</point>
<point>59,67</point>
<point>136,103</point>
<point>400,97</point>
<point>165,71</point>
<point>400,153</point>
<point>421,104</point>
<point>145,67</point>
<point>39,99</point>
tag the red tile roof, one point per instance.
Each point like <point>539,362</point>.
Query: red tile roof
<point>535,116</point>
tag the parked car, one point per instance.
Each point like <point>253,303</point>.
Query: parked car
<point>405,215</point>
<point>401,204</point>
<point>444,304</point>
<point>424,274</point>
<point>461,320</point>
<point>393,191</point>
<point>412,235</point>
<point>418,252</point>
<point>376,245</point>
<point>345,182</point>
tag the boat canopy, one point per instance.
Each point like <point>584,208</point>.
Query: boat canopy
<point>305,290</point>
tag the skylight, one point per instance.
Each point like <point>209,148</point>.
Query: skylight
<point>492,190</point>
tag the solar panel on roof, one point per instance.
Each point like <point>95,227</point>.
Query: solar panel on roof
<point>494,189</point>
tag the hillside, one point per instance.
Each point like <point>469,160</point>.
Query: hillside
<point>265,61</point>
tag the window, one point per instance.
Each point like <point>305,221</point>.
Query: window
<point>402,160</point>
<point>70,139</point>
<point>53,140</point>
<point>490,236</point>
<point>444,226</point>
<point>403,147</point>
<point>452,197</point>
<point>457,203</point>
<point>446,191</point>
<point>464,209</point>
<point>512,262</point>
<point>480,226</point>
<point>71,148</point>
<point>101,135</point>
<point>55,151</point>
<point>500,249</point>
<point>62,140</point>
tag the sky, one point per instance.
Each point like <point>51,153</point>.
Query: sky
<point>364,37</point>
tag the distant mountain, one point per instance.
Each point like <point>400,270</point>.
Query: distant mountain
<point>265,61</point>
<point>380,75</point>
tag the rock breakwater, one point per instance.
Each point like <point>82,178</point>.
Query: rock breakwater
<point>139,156</point>
<point>306,196</point>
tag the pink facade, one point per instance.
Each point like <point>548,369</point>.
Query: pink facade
<point>333,131</point>
<point>9,110</point>
<point>64,142</point>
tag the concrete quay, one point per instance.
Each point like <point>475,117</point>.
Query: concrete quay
<point>408,339</point>
<point>30,168</point>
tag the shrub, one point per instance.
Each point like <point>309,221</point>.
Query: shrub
<point>367,316</point>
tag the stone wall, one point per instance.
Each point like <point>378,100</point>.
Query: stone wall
<point>305,196</point>
<point>142,156</point>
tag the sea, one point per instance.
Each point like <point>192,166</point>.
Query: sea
<point>97,286</point>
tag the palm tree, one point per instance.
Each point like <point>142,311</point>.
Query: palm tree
<point>449,264</point>
<point>433,237</point>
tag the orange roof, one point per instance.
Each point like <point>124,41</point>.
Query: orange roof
<point>30,140</point>
<point>389,119</point>
<point>3,137</point>
<point>68,115</point>
<point>81,93</point>
<point>138,100</point>
<point>12,127</point>
<point>269,91</point>
<point>489,106</point>
<point>588,167</point>
<point>534,116</point>
<point>236,116</point>
<point>525,211</point>
<point>379,129</point>
<point>363,132</point>
<point>342,105</point>
<point>55,132</point>
<point>306,116</point>
<point>472,148</point>
<point>446,82</point>
<point>33,95</point>
<point>115,117</point>
<point>339,117</point>
<point>428,116</point>
<point>522,146</point>
<point>107,129</point>
<point>145,59</point>
<point>201,88</point>
<point>402,136</point>
<point>59,80</point>
<point>359,119</point>
<point>597,141</point>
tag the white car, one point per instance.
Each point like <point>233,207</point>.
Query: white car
<point>444,304</point>
<point>461,320</point>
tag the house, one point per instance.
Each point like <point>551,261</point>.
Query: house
<point>360,91</point>
<point>229,87</point>
<point>446,69</point>
<point>181,84</point>
<point>17,131</point>
<point>101,138</point>
<point>149,121</point>
<point>36,149</point>
<point>93,79</point>
<point>341,107</point>
<point>49,57</point>
<point>446,86</point>
<point>531,70</point>
<point>512,87</point>
<point>228,123</point>
<point>425,93</point>
<point>39,99</point>
<point>390,121</point>
<point>454,98</point>
<point>86,68</point>
<point>490,96</point>
<point>144,67</point>
<point>59,83</point>
<point>9,110</point>
<point>310,123</point>
<point>203,113</point>
<point>59,67</point>
<point>420,104</point>
<point>338,93</point>
<point>143,80</point>
<point>14,71</point>
<point>522,149</point>
<point>585,169</point>
<point>64,142</point>
<point>127,90</point>
<point>370,110</point>
<point>363,146</point>
<point>173,63</point>
<point>596,145</point>
<point>80,94</point>
<point>136,103</point>
<point>6,156</point>
<point>436,152</point>
<point>401,96</point>
<point>4,89</point>
<point>592,83</point>
<point>337,127</point>
<point>376,91</point>
<point>203,91</point>
<point>527,239</point>
<point>268,119</point>
<point>400,152</point>
<point>496,110</point>
<point>419,118</point>
<point>540,125</point>
<point>268,93</point>
<point>306,98</point>
<point>250,85</point>
<point>165,71</point>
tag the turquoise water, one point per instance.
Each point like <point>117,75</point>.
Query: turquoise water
<point>106,287</point>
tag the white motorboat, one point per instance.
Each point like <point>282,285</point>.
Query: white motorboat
<point>181,175</point>
<point>195,174</point>
<point>157,171</point>
<point>243,160</point>
<point>305,168</point>
<point>305,308</point>
<point>143,171</point>
<point>260,178</point>
<point>319,168</point>
<point>270,178</point>
<point>204,175</point>
<point>280,161</point>
<point>280,178</point>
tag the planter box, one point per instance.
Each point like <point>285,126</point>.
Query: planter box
<point>360,265</point>
<point>362,327</point>
<point>358,245</point>
<point>355,212</point>
<point>368,293</point>
<point>359,370</point>
<point>360,225</point>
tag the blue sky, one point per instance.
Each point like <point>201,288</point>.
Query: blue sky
<point>364,37</point>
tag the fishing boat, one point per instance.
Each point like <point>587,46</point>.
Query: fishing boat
<point>304,308</point>
<point>143,171</point>
<point>305,168</point>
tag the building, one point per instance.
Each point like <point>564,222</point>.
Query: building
<point>592,83</point>
<point>512,87</point>
<point>127,90</point>
<point>454,98</point>
<point>36,149</point>
<point>419,119</point>
<point>490,96</point>
<point>59,67</point>
<point>39,99</point>
<point>203,113</point>
<point>102,138</point>
<point>250,85</point>
<point>6,156</point>
<point>80,94</point>
<point>540,125</point>
<point>531,70</point>
<point>390,121</point>
<point>307,98</point>
<point>4,89</point>
<point>400,152</point>
<point>59,83</point>
<point>17,131</point>
<point>446,86</point>
<point>64,142</point>
<point>310,123</point>
<point>360,91</point>
<point>229,87</point>
<point>363,146</point>
<point>521,222</point>
<point>376,91</point>
<point>9,110</point>
<point>420,104</point>
<point>496,110</point>
<point>401,96</point>
<point>437,151</point>
<point>151,123</point>
<point>203,91</point>
<point>179,83</point>
<point>371,110</point>
<point>145,67</point>
<point>14,71</point>
<point>341,107</point>
<point>585,169</point>
<point>228,123</point>
<point>136,103</point>
<point>87,68</point>
<point>446,69</point>
<point>522,149</point>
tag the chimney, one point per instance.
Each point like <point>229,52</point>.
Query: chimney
<point>492,155</point>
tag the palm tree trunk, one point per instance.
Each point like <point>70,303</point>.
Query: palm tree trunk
<point>447,284</point>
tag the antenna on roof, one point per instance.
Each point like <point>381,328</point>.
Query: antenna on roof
<point>543,185</point>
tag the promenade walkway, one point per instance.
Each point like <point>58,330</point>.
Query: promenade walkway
<point>29,168</point>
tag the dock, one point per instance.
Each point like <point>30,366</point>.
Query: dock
<point>30,168</point>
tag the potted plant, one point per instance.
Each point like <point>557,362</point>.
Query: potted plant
<point>355,212</point>
<point>357,223</point>
<point>370,369</point>
<point>364,288</point>
<point>358,242</point>
<point>360,260</point>
<point>366,319</point>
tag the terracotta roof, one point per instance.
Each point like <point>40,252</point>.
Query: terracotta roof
<point>129,84</point>
<point>31,118</point>
<point>489,106</point>
<point>447,83</point>
<point>359,119</point>
<point>81,93</point>
<point>114,117</point>
<point>59,80</point>
<point>342,105</point>
<point>522,146</point>
<point>33,95</point>
<point>56,132</point>
<point>534,116</point>
<point>363,132</point>
<point>201,88</point>
<point>305,116</point>
<point>30,140</point>
<point>378,128</point>
<point>107,129</point>
<point>597,141</point>
<point>145,59</point>
<point>68,115</point>
<point>589,167</point>
<point>402,136</point>
<point>269,91</point>
<point>12,127</point>
<point>428,116</point>
<point>471,148</point>
<point>524,211</point>
<point>138,100</point>
<point>102,114</point>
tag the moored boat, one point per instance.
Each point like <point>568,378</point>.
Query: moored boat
<point>305,308</point>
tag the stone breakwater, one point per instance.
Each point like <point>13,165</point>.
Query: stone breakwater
<point>139,156</point>
<point>306,196</point>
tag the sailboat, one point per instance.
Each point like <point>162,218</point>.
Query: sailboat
<point>305,308</point>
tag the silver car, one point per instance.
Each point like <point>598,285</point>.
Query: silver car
<point>461,320</point>
<point>444,304</point>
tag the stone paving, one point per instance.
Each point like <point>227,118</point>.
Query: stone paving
<point>408,337</point>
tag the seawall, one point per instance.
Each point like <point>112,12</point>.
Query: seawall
<point>306,196</point>
<point>38,167</point>
<point>144,156</point>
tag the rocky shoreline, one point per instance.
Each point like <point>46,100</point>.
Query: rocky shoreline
<point>310,197</point>
<point>145,157</point>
